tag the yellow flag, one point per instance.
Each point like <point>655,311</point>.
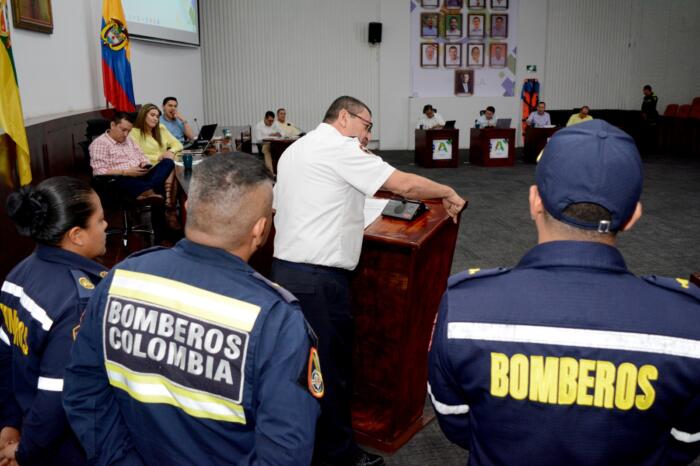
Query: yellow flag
<point>13,143</point>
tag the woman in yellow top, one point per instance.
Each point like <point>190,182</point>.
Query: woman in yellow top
<point>153,138</point>
<point>157,143</point>
<point>579,117</point>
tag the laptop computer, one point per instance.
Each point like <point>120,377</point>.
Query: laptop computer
<point>203,138</point>
<point>503,123</point>
<point>450,124</point>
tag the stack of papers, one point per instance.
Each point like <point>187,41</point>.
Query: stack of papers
<point>373,209</point>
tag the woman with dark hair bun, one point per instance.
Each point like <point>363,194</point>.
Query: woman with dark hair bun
<point>41,302</point>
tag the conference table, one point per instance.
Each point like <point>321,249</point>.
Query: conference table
<point>396,291</point>
<point>277,147</point>
<point>535,140</point>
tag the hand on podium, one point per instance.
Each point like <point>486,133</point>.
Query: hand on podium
<point>453,204</point>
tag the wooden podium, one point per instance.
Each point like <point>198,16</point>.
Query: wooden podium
<point>481,152</point>
<point>425,153</point>
<point>397,288</point>
<point>535,140</point>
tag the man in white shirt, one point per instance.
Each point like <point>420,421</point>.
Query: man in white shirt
<point>266,128</point>
<point>453,56</point>
<point>430,119</point>
<point>475,29</point>
<point>287,129</point>
<point>498,56</point>
<point>487,120</point>
<point>322,183</point>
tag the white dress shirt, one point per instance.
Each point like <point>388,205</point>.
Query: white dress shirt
<point>322,181</point>
<point>483,122</point>
<point>287,129</point>
<point>263,131</point>
<point>429,123</point>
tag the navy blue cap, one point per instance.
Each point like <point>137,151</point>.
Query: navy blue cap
<point>592,162</point>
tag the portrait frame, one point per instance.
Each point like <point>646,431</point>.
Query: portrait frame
<point>33,15</point>
<point>492,52</point>
<point>446,51</point>
<point>470,19</point>
<point>459,78</point>
<point>499,7</point>
<point>430,3</point>
<point>470,61</point>
<point>436,24</point>
<point>453,4</point>
<point>493,23</point>
<point>477,4</point>
<point>423,47</point>
<point>459,25</point>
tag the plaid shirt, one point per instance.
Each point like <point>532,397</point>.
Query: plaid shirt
<point>108,155</point>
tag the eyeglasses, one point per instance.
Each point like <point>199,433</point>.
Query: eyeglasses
<point>368,128</point>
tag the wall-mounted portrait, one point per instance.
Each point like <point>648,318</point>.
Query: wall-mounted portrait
<point>453,55</point>
<point>429,56</point>
<point>34,15</point>
<point>475,25</point>
<point>453,26</point>
<point>476,4</point>
<point>475,54</point>
<point>430,3</point>
<point>499,26</point>
<point>429,24</point>
<point>464,82</point>
<point>499,4</point>
<point>453,4</point>
<point>497,55</point>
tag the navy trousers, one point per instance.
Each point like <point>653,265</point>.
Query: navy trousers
<point>132,187</point>
<point>324,295</point>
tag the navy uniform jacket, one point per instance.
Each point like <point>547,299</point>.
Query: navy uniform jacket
<point>41,301</point>
<point>188,356</point>
<point>568,359</point>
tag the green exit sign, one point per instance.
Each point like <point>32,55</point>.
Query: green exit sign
<point>531,68</point>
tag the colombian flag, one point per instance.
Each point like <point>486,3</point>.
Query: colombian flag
<point>13,143</point>
<point>116,57</point>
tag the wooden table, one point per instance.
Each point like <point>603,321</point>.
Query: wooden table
<point>425,150</point>
<point>277,148</point>
<point>481,152</point>
<point>535,140</point>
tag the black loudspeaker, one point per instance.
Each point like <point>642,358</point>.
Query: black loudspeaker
<point>375,33</point>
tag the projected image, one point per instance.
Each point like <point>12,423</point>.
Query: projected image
<point>169,20</point>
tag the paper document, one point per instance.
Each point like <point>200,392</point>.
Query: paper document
<point>373,209</point>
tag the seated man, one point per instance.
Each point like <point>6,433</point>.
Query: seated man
<point>569,358</point>
<point>430,119</point>
<point>287,129</point>
<point>486,119</point>
<point>540,118</point>
<point>266,128</point>
<point>187,355</point>
<point>175,122</point>
<point>116,154</point>
<point>579,117</point>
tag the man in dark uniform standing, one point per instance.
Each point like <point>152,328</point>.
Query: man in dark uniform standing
<point>649,112</point>
<point>187,355</point>
<point>568,358</point>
